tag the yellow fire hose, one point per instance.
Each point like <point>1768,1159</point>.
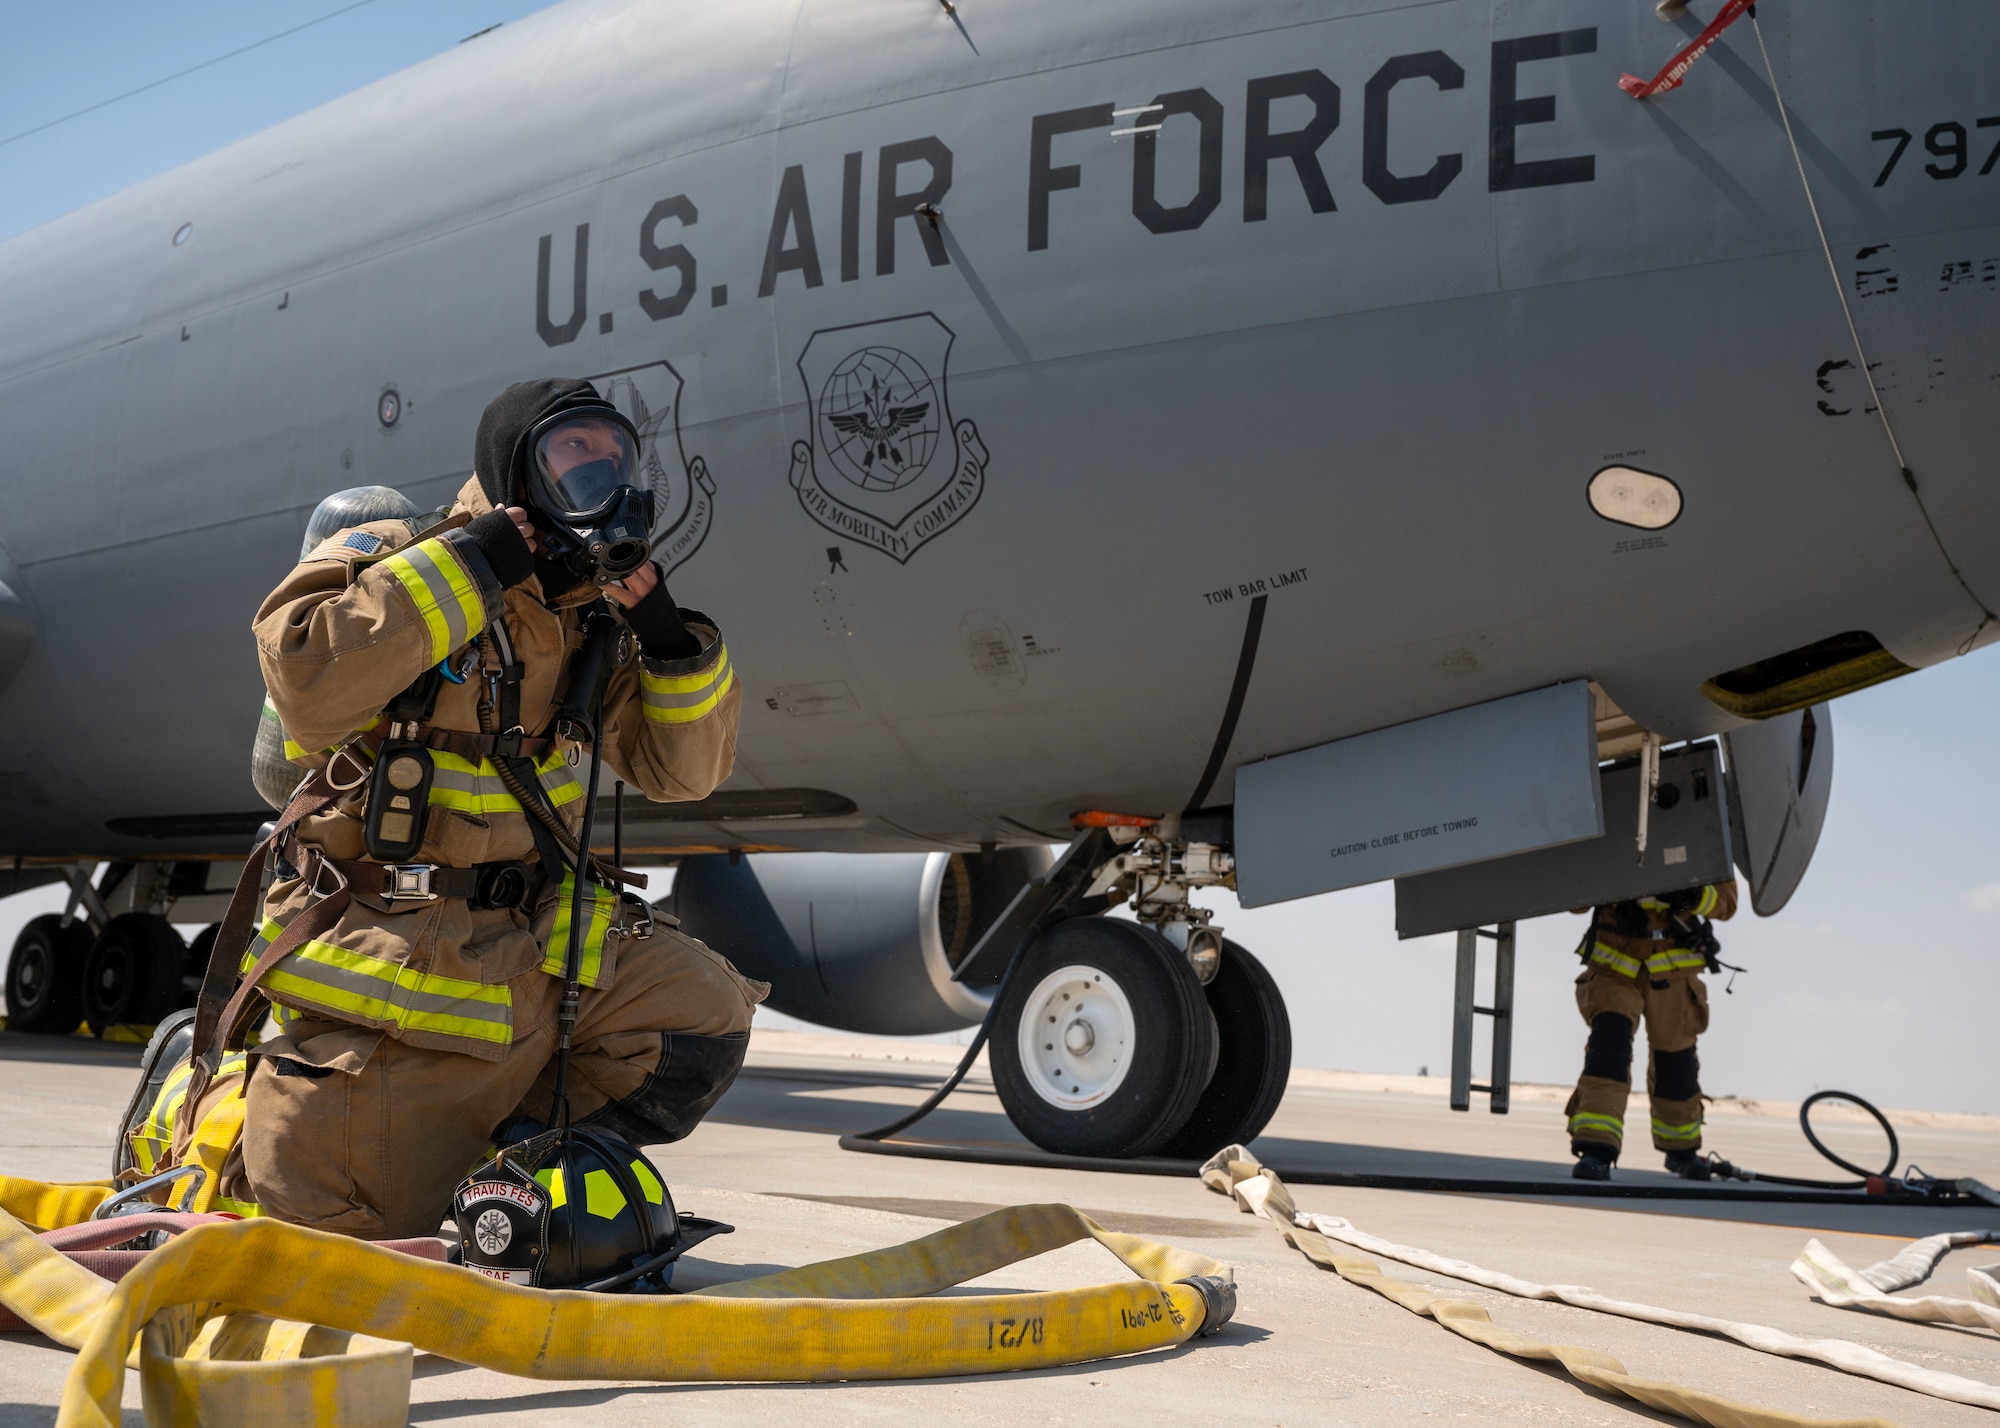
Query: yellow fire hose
<point>1235,1172</point>
<point>260,1322</point>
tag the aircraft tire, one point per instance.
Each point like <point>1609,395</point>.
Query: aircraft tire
<point>133,974</point>
<point>1254,1061</point>
<point>1104,1042</point>
<point>45,976</point>
<point>196,965</point>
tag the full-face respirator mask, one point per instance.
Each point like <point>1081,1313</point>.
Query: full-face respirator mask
<point>591,509</point>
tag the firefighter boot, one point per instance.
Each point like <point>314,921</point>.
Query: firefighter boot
<point>1593,1162</point>
<point>1689,1165</point>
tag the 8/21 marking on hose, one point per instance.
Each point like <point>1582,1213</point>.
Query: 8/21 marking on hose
<point>1013,1333</point>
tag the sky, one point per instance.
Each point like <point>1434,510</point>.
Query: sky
<point>63,58</point>
<point>1879,978</point>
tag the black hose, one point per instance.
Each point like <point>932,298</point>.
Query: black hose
<point>870,1141</point>
<point>1039,926</point>
<point>1722,1169</point>
<point>1805,1124</point>
<point>1036,1158</point>
<point>573,954</point>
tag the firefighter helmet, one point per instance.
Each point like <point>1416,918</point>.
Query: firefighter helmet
<point>573,1208</point>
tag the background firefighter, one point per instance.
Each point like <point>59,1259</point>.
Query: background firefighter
<point>418,1029</point>
<point>1645,958</point>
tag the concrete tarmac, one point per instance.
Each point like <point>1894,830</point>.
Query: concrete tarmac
<point>1305,1347</point>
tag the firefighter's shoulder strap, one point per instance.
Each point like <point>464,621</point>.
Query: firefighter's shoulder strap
<point>1589,943</point>
<point>222,1005</point>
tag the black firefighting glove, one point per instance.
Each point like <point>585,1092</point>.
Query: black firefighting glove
<point>504,547</point>
<point>656,620</point>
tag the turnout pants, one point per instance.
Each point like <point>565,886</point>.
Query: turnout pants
<point>353,1131</point>
<point>1674,1006</point>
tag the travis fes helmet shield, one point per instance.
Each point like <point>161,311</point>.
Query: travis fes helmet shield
<point>576,1208</point>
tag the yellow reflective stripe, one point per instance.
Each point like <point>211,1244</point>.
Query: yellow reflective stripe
<point>266,935</point>
<point>295,751</point>
<point>154,1135</point>
<point>558,780</point>
<point>689,683</point>
<point>1674,959</point>
<point>1709,897</point>
<point>445,594</point>
<point>248,1209</point>
<point>467,787</point>
<point>1590,1120</point>
<point>1690,1131</point>
<point>1614,959</point>
<point>151,1141</point>
<point>603,902</point>
<point>684,698</point>
<point>269,714</point>
<point>376,990</point>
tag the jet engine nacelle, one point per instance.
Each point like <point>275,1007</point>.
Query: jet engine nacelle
<point>856,941</point>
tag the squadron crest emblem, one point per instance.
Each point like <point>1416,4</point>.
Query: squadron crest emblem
<point>886,465</point>
<point>683,489</point>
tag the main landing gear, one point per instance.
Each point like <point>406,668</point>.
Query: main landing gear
<point>1154,1037</point>
<point>112,959</point>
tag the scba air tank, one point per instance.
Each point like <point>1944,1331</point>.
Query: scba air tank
<point>275,776</point>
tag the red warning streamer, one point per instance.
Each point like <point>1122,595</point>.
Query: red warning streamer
<point>1680,64</point>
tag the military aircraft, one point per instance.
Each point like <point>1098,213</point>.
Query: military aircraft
<point>1089,424</point>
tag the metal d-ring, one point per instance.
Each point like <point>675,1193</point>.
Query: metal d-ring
<point>112,1207</point>
<point>345,751</point>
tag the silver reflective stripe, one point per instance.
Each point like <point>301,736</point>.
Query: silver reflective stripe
<point>559,783</point>
<point>442,594</point>
<point>684,698</point>
<point>458,781</point>
<point>392,994</point>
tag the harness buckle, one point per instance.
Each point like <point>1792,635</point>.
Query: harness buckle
<point>508,745</point>
<point>627,904</point>
<point>408,882</point>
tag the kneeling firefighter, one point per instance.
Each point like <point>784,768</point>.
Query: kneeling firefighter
<point>1643,960</point>
<point>414,938</point>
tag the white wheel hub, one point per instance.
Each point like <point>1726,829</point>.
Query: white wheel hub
<point>1076,1037</point>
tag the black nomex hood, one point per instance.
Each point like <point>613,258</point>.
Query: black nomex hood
<point>499,450</point>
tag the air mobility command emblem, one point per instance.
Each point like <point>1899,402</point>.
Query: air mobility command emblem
<point>886,465</point>
<point>683,489</point>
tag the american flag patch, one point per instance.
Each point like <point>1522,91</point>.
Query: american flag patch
<point>362,541</point>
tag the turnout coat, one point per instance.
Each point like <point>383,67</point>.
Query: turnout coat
<point>360,619</point>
